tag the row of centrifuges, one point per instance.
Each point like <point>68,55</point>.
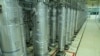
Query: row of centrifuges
<point>44,25</point>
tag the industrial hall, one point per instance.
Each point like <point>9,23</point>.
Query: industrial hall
<point>49,27</point>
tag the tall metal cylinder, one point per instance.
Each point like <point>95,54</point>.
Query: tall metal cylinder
<point>0,44</point>
<point>69,27</point>
<point>68,37</point>
<point>53,26</point>
<point>40,35</point>
<point>71,24</point>
<point>76,23</point>
<point>1,16</point>
<point>57,23</point>
<point>0,52</point>
<point>12,34</point>
<point>73,20</point>
<point>48,24</point>
<point>62,17</point>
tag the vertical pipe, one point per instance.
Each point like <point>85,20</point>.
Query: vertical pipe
<point>53,26</point>
<point>12,40</point>
<point>40,39</point>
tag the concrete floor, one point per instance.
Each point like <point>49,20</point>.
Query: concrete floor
<point>90,44</point>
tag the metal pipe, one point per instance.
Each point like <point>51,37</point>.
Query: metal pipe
<point>53,26</point>
<point>40,38</point>
<point>12,40</point>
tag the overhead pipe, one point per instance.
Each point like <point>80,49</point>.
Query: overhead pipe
<point>12,34</point>
<point>40,39</point>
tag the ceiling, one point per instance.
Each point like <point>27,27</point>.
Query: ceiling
<point>93,2</point>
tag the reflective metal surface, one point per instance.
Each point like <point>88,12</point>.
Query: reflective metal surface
<point>68,28</point>
<point>40,26</point>
<point>53,26</point>
<point>62,17</point>
<point>12,37</point>
<point>40,38</point>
